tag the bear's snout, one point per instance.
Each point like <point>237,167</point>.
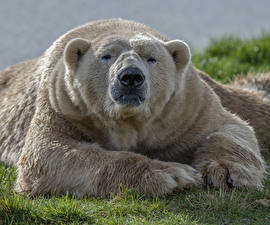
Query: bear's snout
<point>130,88</point>
<point>131,77</point>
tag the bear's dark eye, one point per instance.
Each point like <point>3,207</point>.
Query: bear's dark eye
<point>106,57</point>
<point>151,60</point>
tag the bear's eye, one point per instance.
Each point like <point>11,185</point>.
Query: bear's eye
<point>106,57</point>
<point>151,60</point>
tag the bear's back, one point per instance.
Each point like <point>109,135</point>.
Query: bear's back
<point>17,98</point>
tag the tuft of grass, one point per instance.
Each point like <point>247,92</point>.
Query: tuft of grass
<point>228,56</point>
<point>222,59</point>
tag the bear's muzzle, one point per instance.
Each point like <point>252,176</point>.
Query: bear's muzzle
<point>130,87</point>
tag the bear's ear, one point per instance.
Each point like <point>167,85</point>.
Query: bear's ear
<point>74,50</point>
<point>180,52</point>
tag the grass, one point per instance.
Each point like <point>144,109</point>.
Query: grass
<point>229,56</point>
<point>222,59</point>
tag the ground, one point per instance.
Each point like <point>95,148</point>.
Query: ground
<point>222,59</point>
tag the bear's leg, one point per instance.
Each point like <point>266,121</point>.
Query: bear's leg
<point>55,163</point>
<point>230,157</point>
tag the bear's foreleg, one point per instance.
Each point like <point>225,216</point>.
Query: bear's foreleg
<point>230,157</point>
<point>54,163</point>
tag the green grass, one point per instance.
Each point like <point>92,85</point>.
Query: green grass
<point>222,59</point>
<point>229,56</point>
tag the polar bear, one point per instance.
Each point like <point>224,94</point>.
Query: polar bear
<point>115,102</point>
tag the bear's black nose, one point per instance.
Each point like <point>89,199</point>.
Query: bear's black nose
<point>131,77</point>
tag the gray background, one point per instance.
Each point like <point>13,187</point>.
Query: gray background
<point>28,27</point>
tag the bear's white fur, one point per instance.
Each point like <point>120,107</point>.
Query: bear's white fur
<point>66,132</point>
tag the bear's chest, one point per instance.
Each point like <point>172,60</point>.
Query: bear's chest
<point>122,137</point>
<point>127,139</point>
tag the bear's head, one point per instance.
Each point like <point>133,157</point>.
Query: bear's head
<point>123,76</point>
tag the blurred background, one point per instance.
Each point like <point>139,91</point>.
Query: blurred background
<point>28,27</point>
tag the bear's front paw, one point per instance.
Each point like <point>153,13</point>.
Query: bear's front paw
<point>228,175</point>
<point>184,175</point>
<point>169,177</point>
